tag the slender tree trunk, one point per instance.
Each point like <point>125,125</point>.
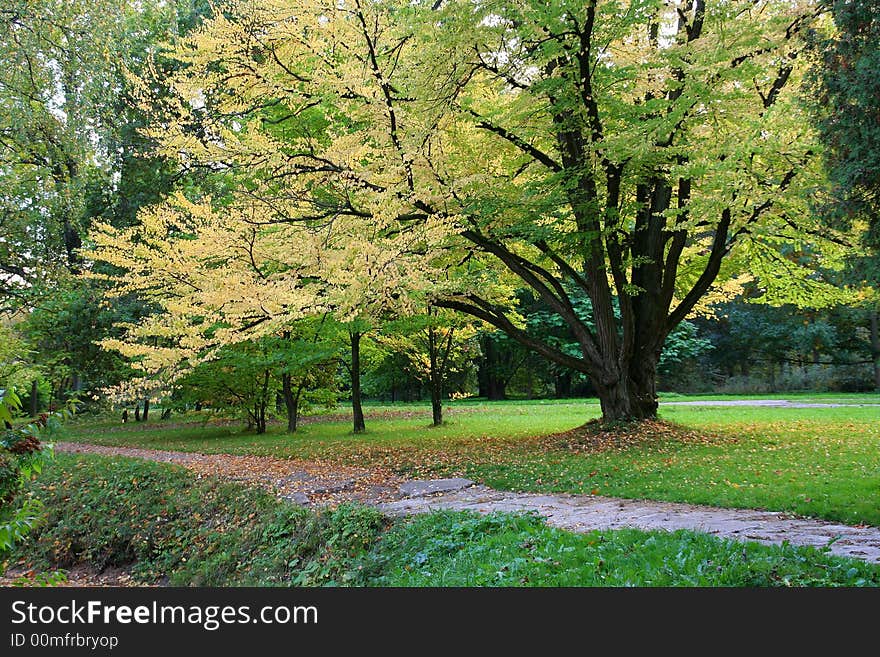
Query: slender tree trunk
<point>357,409</point>
<point>436,403</point>
<point>436,377</point>
<point>291,402</point>
<point>261,417</point>
<point>562,385</point>
<point>35,407</point>
<point>492,386</point>
<point>262,403</point>
<point>875,346</point>
<point>146,409</point>
<point>137,413</point>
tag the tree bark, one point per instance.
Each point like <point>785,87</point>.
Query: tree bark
<point>291,402</point>
<point>436,377</point>
<point>357,409</point>
<point>492,386</point>
<point>262,403</point>
<point>146,409</point>
<point>261,418</point>
<point>562,385</point>
<point>35,407</point>
<point>632,397</point>
<point>875,346</point>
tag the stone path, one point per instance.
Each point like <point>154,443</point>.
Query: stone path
<point>314,483</point>
<point>583,513</point>
<point>774,403</point>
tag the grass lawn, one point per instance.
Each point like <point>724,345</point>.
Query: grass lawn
<point>465,549</point>
<point>164,525</point>
<point>822,462</point>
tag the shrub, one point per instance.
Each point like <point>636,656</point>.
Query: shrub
<point>22,456</point>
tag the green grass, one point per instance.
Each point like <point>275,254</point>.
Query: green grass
<point>822,462</point>
<point>477,421</point>
<point>812,462</point>
<point>464,549</point>
<point>170,527</point>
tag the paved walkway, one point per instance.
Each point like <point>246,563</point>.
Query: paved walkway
<point>315,483</point>
<point>583,513</point>
<point>773,403</point>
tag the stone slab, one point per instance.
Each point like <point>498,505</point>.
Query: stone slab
<point>423,487</point>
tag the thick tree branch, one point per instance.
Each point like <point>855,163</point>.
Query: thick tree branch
<point>532,274</point>
<point>517,141</point>
<point>472,305</point>
<point>710,273</point>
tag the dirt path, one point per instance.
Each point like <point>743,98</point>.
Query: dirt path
<point>304,482</point>
<point>317,483</point>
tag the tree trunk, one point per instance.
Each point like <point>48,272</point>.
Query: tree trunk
<point>562,385</point>
<point>137,413</point>
<point>261,418</point>
<point>436,406</point>
<point>357,409</point>
<point>146,409</point>
<point>436,377</point>
<point>632,398</point>
<point>72,244</point>
<point>291,402</point>
<point>35,407</point>
<point>262,403</point>
<point>491,385</point>
<point>875,346</point>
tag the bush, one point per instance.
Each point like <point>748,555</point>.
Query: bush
<point>807,378</point>
<point>22,457</point>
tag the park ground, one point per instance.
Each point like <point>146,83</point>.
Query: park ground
<point>819,458</point>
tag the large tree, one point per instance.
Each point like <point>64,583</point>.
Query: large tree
<point>62,121</point>
<point>846,102</point>
<point>848,89</point>
<point>70,152</point>
<point>625,151</point>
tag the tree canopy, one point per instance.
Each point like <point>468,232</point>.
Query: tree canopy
<point>639,154</point>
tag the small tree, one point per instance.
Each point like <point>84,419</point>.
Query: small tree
<point>240,379</point>
<point>435,343</point>
<point>306,361</point>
